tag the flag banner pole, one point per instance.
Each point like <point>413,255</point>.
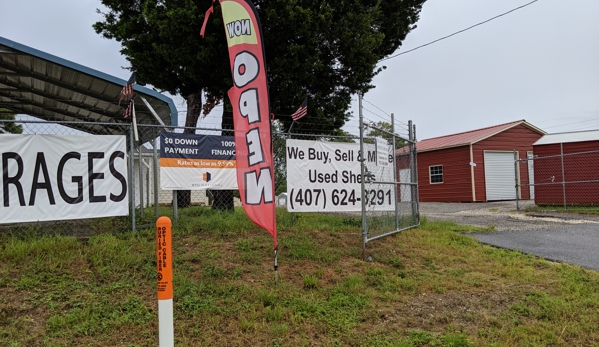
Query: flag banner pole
<point>276,265</point>
<point>134,122</point>
<point>206,16</point>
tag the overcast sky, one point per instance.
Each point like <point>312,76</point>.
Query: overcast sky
<point>539,63</point>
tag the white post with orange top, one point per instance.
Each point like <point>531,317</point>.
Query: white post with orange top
<point>164,266</point>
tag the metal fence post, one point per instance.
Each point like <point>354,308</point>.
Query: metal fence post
<point>395,178</point>
<point>155,166</point>
<point>131,178</point>
<point>516,178</point>
<point>561,146</point>
<point>362,186</point>
<point>415,177</point>
<point>175,207</point>
<point>412,187</point>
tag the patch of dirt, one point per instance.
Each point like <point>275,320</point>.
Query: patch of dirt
<point>434,312</point>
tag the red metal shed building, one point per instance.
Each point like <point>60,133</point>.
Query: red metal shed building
<point>566,166</point>
<point>475,165</point>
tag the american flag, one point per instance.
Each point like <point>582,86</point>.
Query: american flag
<point>301,111</point>
<point>127,94</point>
<point>127,113</point>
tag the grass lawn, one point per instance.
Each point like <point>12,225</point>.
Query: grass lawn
<point>430,286</point>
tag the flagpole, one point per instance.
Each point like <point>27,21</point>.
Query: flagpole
<point>291,127</point>
<point>134,122</point>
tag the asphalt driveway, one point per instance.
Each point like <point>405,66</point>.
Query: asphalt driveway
<point>562,237</point>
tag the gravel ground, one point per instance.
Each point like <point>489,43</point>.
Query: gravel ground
<point>562,237</point>
<point>502,215</point>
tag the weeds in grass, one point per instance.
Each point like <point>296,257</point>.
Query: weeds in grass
<point>573,209</point>
<point>310,282</point>
<point>431,286</point>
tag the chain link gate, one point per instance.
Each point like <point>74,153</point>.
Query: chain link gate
<point>397,181</point>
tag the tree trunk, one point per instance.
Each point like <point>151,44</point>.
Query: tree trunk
<point>194,109</point>
<point>223,199</point>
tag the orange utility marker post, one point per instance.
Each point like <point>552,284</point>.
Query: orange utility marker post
<point>164,265</point>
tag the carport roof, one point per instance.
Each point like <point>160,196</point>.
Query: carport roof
<point>45,86</point>
<point>574,136</point>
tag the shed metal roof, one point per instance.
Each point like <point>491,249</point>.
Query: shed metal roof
<point>575,136</point>
<point>45,86</point>
<point>469,137</point>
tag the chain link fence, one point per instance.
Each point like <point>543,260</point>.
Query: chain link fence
<point>560,182</point>
<point>147,201</point>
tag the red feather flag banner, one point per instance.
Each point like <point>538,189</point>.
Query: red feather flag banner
<point>251,114</point>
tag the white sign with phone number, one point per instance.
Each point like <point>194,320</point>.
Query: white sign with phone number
<point>326,177</point>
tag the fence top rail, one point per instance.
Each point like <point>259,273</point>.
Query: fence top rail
<point>60,122</point>
<point>173,128</point>
<point>558,155</point>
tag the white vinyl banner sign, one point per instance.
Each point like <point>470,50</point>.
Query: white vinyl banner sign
<point>382,152</point>
<point>59,177</point>
<point>325,177</point>
<point>380,196</point>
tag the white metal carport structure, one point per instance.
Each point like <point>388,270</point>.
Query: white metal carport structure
<point>56,90</point>
<point>42,85</point>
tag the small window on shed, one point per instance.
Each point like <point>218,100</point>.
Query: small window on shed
<point>436,174</point>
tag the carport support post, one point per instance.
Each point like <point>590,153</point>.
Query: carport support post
<point>148,192</point>
<point>131,178</point>
<point>141,182</point>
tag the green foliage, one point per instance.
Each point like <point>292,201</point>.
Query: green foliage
<point>386,133</point>
<point>329,50</point>
<point>7,124</point>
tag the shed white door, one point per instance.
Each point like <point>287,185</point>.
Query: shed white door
<point>405,190</point>
<point>500,177</point>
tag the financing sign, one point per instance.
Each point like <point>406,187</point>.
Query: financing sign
<point>196,162</point>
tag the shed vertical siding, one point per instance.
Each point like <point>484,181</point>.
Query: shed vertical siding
<point>579,167</point>
<point>548,173</point>
<point>519,138</point>
<point>456,186</point>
